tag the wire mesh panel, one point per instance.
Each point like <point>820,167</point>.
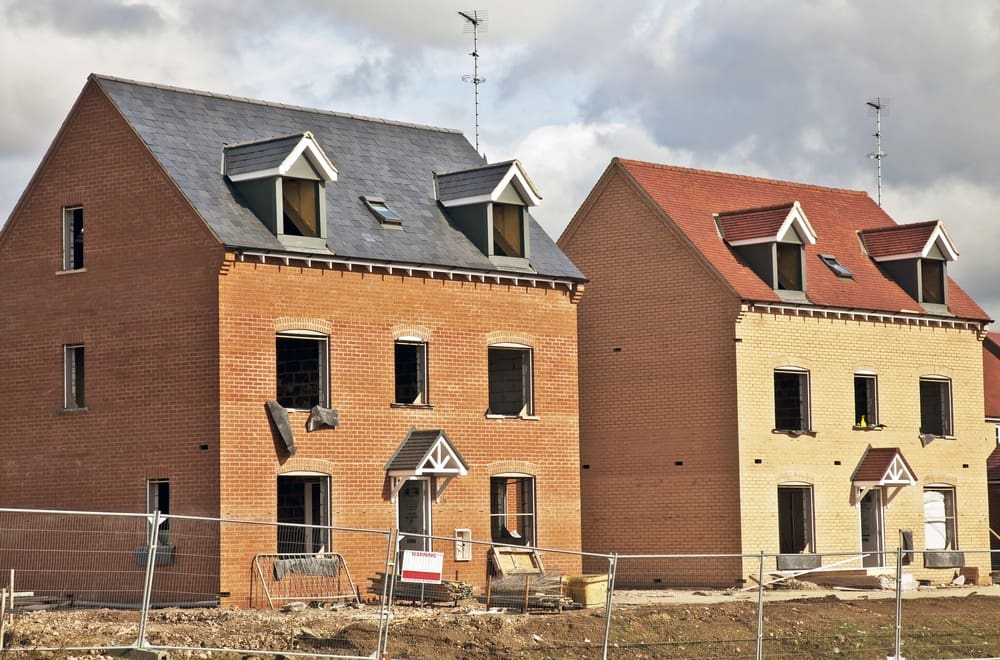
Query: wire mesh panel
<point>59,560</point>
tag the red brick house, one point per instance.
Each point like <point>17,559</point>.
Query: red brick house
<point>231,308</point>
<point>773,366</point>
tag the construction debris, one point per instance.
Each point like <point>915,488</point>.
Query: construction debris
<point>447,591</point>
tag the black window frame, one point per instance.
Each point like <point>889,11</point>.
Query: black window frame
<point>783,406</point>
<point>865,400</point>
<point>936,407</point>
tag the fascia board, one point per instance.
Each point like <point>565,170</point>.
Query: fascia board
<point>943,240</point>
<point>315,156</point>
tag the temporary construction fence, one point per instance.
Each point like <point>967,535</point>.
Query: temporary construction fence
<point>156,582</point>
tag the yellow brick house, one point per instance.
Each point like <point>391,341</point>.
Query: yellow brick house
<point>774,367</point>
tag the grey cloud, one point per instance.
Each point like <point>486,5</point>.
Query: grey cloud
<point>85,18</point>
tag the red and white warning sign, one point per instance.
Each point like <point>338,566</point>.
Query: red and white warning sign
<point>424,567</point>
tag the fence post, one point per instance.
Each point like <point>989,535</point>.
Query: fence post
<point>608,599</point>
<point>147,587</point>
<point>760,608</point>
<point>388,586</point>
<point>899,603</point>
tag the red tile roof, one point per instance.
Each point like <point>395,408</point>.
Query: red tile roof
<point>753,223</point>
<point>875,463</point>
<point>691,197</point>
<point>991,374</point>
<point>901,239</point>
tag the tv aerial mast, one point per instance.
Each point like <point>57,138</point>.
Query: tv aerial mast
<point>475,20</point>
<point>878,104</point>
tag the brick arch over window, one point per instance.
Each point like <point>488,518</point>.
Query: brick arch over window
<point>939,479</point>
<point>318,465</point>
<point>513,467</point>
<point>405,330</point>
<point>796,478</point>
<point>507,337</point>
<point>286,323</point>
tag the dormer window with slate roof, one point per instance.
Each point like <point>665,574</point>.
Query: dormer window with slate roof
<point>771,240</point>
<point>489,205</point>
<point>283,181</point>
<point>916,257</point>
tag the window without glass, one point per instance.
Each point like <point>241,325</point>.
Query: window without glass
<point>158,499</point>
<point>932,281</point>
<point>411,373</point>
<point>939,518</point>
<point>510,380</point>
<point>301,371</point>
<point>795,519</point>
<point>512,509</point>
<point>935,406</point>
<point>72,239</point>
<point>508,230</point>
<point>789,262</point>
<point>865,400</point>
<point>300,204</point>
<point>303,514</point>
<point>73,379</point>
<point>791,400</point>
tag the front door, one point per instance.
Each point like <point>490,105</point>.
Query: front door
<point>414,511</point>
<point>872,535</point>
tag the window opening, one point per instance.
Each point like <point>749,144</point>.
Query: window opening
<point>300,205</point>
<point>73,239</point>
<point>158,499</point>
<point>303,514</point>
<point>382,211</point>
<point>301,371</point>
<point>73,396</point>
<point>939,519</point>
<point>508,230</point>
<point>795,519</point>
<point>838,269</point>
<point>512,510</point>
<point>510,381</point>
<point>411,373</point>
<point>791,400</point>
<point>789,258</point>
<point>935,406</point>
<point>865,400</point>
<point>932,281</point>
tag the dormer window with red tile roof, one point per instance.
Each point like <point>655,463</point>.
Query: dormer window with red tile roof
<point>916,257</point>
<point>771,241</point>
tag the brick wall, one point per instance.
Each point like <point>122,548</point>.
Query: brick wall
<point>677,408</point>
<point>657,392</point>
<point>364,313</point>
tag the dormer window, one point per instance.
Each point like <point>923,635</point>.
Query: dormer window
<point>771,240</point>
<point>490,206</point>
<point>283,181</point>
<point>916,256</point>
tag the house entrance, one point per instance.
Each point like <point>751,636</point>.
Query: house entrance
<point>872,528</point>
<point>413,507</point>
<point>303,513</point>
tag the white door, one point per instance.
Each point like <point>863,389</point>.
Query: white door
<point>872,532</point>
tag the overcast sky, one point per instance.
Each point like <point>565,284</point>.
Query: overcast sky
<point>774,88</point>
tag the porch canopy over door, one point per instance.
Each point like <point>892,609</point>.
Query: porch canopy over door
<point>426,453</point>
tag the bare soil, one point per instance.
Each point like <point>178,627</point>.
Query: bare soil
<point>961,623</point>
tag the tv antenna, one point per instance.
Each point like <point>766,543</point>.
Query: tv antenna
<point>877,104</point>
<point>475,21</point>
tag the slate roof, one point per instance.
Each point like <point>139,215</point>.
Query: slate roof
<point>413,450</point>
<point>690,198</point>
<point>753,223</point>
<point>259,155</point>
<point>471,183</point>
<point>991,374</point>
<point>186,131</point>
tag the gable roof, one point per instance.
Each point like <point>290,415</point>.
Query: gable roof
<point>767,224</point>
<point>883,466</point>
<point>691,198</point>
<point>485,184</point>
<point>991,375</point>
<point>908,241</point>
<point>186,131</point>
<point>426,452</point>
<point>274,157</point>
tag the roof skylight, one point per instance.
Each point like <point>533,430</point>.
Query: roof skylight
<point>382,211</point>
<point>838,269</point>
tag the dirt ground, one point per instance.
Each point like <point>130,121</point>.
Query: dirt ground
<point>945,623</point>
